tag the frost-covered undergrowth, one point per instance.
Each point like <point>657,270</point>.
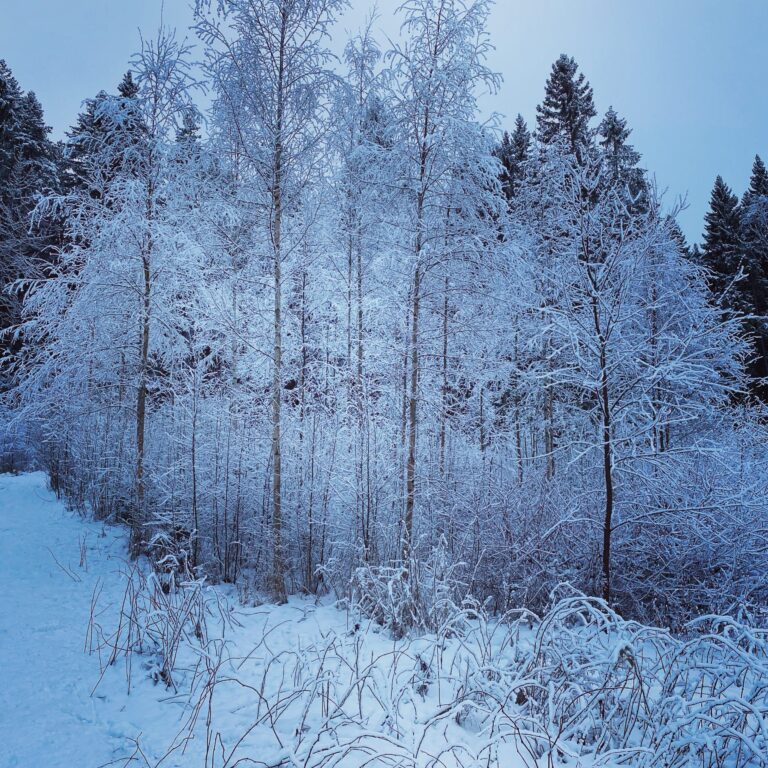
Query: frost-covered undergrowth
<point>184,676</point>
<point>315,686</point>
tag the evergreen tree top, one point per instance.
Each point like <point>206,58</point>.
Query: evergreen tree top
<point>722,225</point>
<point>758,184</point>
<point>128,88</point>
<point>513,153</point>
<point>25,151</point>
<point>722,197</point>
<point>613,129</point>
<point>754,228</point>
<point>107,121</point>
<point>9,90</point>
<point>33,117</point>
<point>568,106</point>
<point>677,236</point>
<point>521,139</point>
<point>614,133</point>
<point>623,159</point>
<point>10,95</point>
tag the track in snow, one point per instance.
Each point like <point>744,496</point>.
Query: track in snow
<point>48,717</point>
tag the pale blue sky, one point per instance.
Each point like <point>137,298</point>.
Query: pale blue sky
<point>691,76</point>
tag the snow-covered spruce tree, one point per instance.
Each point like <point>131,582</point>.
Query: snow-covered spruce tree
<point>754,243</point>
<point>623,160</point>
<point>269,67</point>
<point>733,252</point>
<point>29,168</point>
<point>563,120</point>
<point>721,251</point>
<point>567,109</point>
<point>513,154</point>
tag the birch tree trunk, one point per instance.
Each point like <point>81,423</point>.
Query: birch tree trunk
<point>278,574</point>
<point>141,396</point>
<point>410,470</point>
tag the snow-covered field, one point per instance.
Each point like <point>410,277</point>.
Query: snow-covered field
<point>100,666</point>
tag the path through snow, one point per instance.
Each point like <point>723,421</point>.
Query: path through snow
<point>303,684</point>
<point>48,717</point>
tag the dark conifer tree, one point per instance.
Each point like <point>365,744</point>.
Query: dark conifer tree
<point>754,240</point>
<point>513,154</point>
<point>107,121</point>
<point>10,95</point>
<point>10,99</point>
<point>736,253</point>
<point>128,88</point>
<point>83,139</point>
<point>677,235</point>
<point>623,159</point>
<point>721,252</point>
<point>28,169</point>
<point>567,108</point>
<point>126,120</point>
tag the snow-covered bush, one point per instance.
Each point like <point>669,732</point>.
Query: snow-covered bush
<point>422,597</point>
<point>156,617</point>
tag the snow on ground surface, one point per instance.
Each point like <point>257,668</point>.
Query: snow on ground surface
<point>50,715</point>
<point>55,712</point>
<point>101,666</point>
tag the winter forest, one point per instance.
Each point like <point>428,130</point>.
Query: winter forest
<point>313,325</point>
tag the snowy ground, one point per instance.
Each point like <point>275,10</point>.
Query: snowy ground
<point>55,711</point>
<point>50,715</point>
<point>307,685</point>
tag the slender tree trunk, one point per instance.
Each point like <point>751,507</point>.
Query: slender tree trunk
<point>549,431</point>
<point>141,397</point>
<point>518,429</point>
<point>444,389</point>
<point>196,532</point>
<point>608,477</point>
<point>278,573</point>
<point>404,385</point>
<point>309,569</point>
<point>658,427</point>
<point>410,474</point>
<point>359,319</point>
<point>482,422</point>
<point>364,447</point>
<point>605,410</point>
<point>350,281</point>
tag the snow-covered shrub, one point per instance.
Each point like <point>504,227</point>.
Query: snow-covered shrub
<point>156,616</point>
<point>171,557</point>
<point>423,596</point>
<point>712,705</point>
